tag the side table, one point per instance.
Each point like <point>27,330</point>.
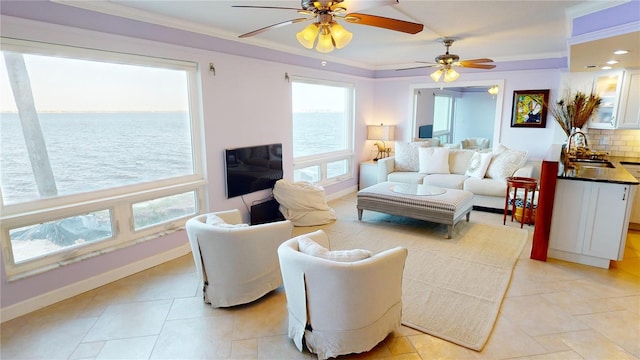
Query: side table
<point>527,184</point>
<point>368,174</point>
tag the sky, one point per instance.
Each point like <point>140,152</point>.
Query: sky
<point>313,97</point>
<point>79,85</point>
<point>72,85</point>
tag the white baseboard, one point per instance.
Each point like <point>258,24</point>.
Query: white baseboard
<point>54,296</point>
<point>345,192</point>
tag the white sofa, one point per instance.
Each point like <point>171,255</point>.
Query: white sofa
<point>412,165</point>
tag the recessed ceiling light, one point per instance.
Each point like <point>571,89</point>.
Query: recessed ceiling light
<point>606,67</point>
<point>611,62</point>
<point>620,52</point>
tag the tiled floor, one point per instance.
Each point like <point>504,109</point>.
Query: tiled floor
<point>553,310</point>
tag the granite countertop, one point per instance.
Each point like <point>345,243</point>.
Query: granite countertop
<point>617,175</point>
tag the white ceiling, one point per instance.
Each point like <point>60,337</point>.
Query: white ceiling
<point>501,30</point>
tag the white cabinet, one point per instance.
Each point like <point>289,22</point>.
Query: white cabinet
<point>590,221</point>
<point>634,219</point>
<point>629,117</point>
<point>368,174</point>
<point>609,86</point>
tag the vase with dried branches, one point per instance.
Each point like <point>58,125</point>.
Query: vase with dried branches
<point>574,110</point>
<point>572,113</point>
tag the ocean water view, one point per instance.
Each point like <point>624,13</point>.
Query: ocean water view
<point>94,151</point>
<point>315,132</point>
<point>128,148</point>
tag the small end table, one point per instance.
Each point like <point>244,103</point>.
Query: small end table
<point>527,184</point>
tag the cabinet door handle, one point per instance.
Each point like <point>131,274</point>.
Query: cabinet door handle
<point>624,194</point>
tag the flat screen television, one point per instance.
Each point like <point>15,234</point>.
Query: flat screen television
<point>253,168</point>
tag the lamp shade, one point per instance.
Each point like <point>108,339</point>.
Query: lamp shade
<point>436,75</point>
<point>380,132</point>
<point>325,43</point>
<point>307,36</point>
<point>451,75</point>
<point>340,35</point>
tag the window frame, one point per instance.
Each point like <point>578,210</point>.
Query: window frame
<point>119,200</point>
<point>348,154</point>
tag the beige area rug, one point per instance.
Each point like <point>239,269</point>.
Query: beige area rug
<point>452,288</point>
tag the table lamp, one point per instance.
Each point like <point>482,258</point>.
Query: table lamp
<point>382,133</point>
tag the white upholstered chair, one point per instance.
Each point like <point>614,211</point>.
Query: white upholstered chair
<point>477,143</point>
<point>341,307</point>
<point>236,262</point>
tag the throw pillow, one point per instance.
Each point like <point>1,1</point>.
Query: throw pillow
<point>459,160</point>
<point>312,248</point>
<point>433,160</point>
<point>406,156</point>
<point>216,220</point>
<point>479,164</point>
<point>505,162</point>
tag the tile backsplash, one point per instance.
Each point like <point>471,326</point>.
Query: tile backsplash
<point>624,143</point>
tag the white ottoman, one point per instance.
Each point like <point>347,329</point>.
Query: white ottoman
<point>443,206</point>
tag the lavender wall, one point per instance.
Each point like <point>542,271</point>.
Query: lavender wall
<point>626,13</point>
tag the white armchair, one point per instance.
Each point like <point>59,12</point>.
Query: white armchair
<point>341,307</point>
<point>477,143</point>
<point>237,263</point>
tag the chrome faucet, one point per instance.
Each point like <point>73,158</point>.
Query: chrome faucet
<point>568,149</point>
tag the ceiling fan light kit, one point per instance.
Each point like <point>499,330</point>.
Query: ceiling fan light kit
<point>330,36</point>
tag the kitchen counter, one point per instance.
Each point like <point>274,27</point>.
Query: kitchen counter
<point>616,175</point>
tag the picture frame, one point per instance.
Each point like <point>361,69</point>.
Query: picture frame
<point>529,108</point>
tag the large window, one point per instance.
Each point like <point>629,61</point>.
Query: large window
<point>322,130</point>
<point>443,117</point>
<point>97,150</point>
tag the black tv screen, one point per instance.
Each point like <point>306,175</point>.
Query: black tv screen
<point>253,168</point>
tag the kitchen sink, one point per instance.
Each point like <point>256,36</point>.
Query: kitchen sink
<point>597,163</point>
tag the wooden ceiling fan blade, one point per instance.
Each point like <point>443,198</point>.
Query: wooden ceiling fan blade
<point>284,23</point>
<point>476,66</point>
<point>383,22</point>
<point>483,60</point>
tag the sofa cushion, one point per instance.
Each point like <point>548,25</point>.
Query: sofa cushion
<point>459,160</point>
<point>310,247</point>
<point>505,162</point>
<point>479,164</point>
<point>486,186</point>
<point>433,160</point>
<point>449,181</point>
<point>407,177</point>
<point>406,156</point>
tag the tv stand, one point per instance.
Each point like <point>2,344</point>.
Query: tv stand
<point>266,212</point>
